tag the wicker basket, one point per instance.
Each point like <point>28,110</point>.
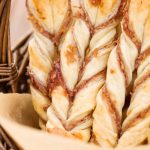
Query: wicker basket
<point>21,60</point>
<point>5,142</point>
<point>8,71</point>
<point>11,70</point>
<point>13,64</point>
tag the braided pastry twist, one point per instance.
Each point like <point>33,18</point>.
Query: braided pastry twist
<point>136,127</point>
<point>71,81</point>
<point>42,48</point>
<point>121,63</point>
<point>76,77</point>
<point>41,55</point>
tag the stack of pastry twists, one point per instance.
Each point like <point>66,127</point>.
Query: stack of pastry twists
<point>74,82</point>
<point>42,48</point>
<point>73,42</point>
<point>41,52</point>
<point>136,127</point>
<point>64,86</point>
<point>111,98</point>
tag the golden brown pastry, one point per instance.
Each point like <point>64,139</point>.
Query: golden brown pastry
<point>41,55</point>
<point>121,64</point>
<point>50,17</point>
<point>149,136</point>
<point>42,48</point>
<point>78,74</point>
<point>136,127</point>
<point>64,87</point>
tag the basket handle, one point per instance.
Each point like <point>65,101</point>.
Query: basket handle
<point>8,70</point>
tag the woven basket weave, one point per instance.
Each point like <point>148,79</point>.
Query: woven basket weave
<point>21,60</point>
<point>13,64</point>
<point>5,142</point>
<point>11,70</point>
<point>8,71</point>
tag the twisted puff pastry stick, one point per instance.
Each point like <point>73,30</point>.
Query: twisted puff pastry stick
<point>41,54</point>
<point>121,63</point>
<point>136,127</point>
<point>50,20</point>
<point>75,79</point>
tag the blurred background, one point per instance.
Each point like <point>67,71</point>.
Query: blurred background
<point>19,24</point>
<point>14,63</point>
